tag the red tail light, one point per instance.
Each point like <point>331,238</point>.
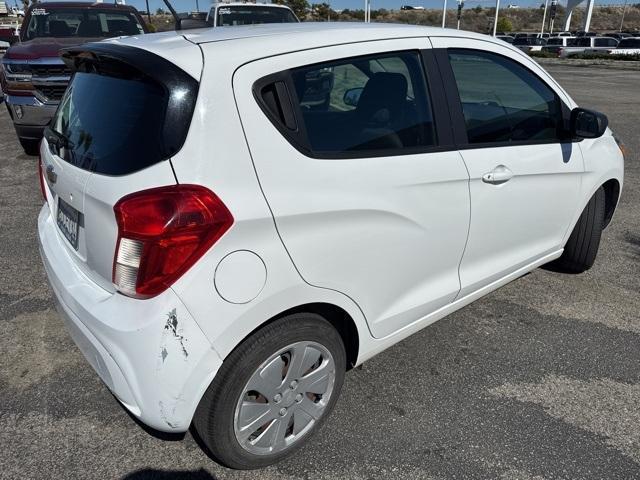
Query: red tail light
<point>162,232</point>
<point>41,178</point>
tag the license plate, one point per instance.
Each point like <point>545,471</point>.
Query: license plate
<point>67,219</point>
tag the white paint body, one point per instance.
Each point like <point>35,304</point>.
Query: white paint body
<point>396,242</point>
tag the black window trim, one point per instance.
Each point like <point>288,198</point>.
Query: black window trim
<point>298,137</point>
<point>455,105</point>
<point>448,116</point>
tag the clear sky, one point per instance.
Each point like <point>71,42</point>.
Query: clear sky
<point>187,5</point>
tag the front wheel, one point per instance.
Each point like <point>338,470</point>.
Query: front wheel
<point>272,392</point>
<point>582,247</point>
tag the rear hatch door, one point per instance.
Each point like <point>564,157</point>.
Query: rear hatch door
<point>114,133</point>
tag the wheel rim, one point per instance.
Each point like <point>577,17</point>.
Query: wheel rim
<point>284,398</point>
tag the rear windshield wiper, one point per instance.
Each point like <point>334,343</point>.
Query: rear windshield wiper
<point>57,139</point>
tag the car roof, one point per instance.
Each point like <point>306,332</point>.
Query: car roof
<point>237,44</point>
<point>314,34</point>
<point>81,5</point>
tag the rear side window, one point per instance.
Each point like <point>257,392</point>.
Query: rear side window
<point>605,42</point>
<point>362,106</point>
<point>502,101</point>
<point>115,119</point>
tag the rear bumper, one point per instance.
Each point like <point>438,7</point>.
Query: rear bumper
<point>29,115</point>
<point>150,353</point>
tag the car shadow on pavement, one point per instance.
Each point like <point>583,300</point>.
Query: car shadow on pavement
<point>153,474</point>
<point>633,240</point>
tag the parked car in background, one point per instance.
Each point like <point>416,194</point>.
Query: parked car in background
<point>581,33</point>
<point>9,33</point>
<point>554,44</point>
<point>592,44</point>
<point>245,13</point>
<point>4,46</point>
<point>562,34</point>
<point>618,35</point>
<point>212,275</point>
<point>529,44</point>
<point>506,38</point>
<point>627,46</point>
<point>33,77</point>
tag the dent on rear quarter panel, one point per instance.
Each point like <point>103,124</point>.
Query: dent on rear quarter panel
<point>181,349</point>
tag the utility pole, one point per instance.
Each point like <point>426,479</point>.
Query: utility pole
<point>624,10</point>
<point>444,13</point>
<point>148,13</point>
<point>544,16</point>
<point>460,7</point>
<point>495,20</point>
<point>554,10</point>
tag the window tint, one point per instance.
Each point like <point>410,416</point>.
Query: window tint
<point>253,14</point>
<point>605,42</point>
<point>554,41</point>
<point>502,101</point>
<point>629,43</point>
<point>45,21</point>
<point>372,103</point>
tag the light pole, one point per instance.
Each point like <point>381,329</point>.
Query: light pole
<point>624,10</point>
<point>544,16</point>
<point>460,7</point>
<point>495,20</point>
<point>554,11</point>
<point>444,13</point>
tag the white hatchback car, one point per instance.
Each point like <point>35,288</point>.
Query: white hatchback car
<point>235,217</point>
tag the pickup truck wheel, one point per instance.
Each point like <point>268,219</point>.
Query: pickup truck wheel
<point>30,146</point>
<point>582,247</point>
<point>272,392</point>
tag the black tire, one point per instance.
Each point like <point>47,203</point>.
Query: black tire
<point>582,247</point>
<point>30,146</point>
<point>214,418</point>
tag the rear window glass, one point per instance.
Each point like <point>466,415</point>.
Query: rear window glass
<point>81,22</point>
<point>250,15</point>
<point>111,125</point>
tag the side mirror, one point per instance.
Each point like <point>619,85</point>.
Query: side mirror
<point>587,123</point>
<point>352,96</point>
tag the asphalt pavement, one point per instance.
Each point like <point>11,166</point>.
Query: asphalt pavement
<point>539,380</point>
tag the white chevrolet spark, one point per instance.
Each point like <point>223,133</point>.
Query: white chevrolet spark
<point>235,217</point>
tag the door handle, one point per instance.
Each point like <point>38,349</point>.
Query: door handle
<point>498,175</point>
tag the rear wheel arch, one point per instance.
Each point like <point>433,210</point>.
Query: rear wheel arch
<point>612,194</point>
<point>339,318</point>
